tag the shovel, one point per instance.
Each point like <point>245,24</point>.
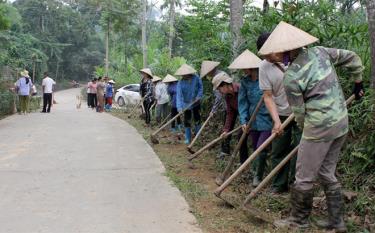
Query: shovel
<point>135,108</point>
<point>220,179</point>
<point>198,134</point>
<point>153,135</point>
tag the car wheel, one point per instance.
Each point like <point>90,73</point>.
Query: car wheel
<point>121,101</point>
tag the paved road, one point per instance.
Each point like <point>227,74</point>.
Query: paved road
<point>75,170</point>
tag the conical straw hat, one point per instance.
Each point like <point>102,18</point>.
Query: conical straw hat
<point>25,73</point>
<point>286,37</point>
<point>156,78</point>
<point>146,71</point>
<point>207,67</point>
<point>169,78</point>
<point>185,70</point>
<point>247,60</point>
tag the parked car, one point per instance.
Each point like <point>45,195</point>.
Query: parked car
<point>128,95</point>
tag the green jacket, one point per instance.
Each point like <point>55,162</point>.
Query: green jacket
<point>314,92</point>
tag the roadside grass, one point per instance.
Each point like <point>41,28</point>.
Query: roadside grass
<point>213,215</point>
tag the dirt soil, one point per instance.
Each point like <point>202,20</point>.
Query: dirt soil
<point>198,184</point>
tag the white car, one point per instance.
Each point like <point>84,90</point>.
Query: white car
<point>128,95</point>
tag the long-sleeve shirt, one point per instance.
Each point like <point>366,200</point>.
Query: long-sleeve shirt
<point>161,93</point>
<point>188,90</point>
<point>172,91</point>
<point>24,86</point>
<point>314,92</point>
<point>231,101</point>
<point>248,97</point>
<point>147,90</point>
<point>109,90</point>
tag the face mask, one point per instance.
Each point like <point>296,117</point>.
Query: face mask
<point>286,58</point>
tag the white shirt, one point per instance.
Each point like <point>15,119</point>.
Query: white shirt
<point>161,93</point>
<point>48,84</point>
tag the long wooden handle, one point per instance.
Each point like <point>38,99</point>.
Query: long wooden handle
<point>252,157</point>
<point>242,139</point>
<point>174,118</point>
<point>165,120</point>
<point>268,178</point>
<point>212,143</point>
<point>200,131</point>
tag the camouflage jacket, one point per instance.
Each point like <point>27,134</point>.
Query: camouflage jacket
<point>314,92</point>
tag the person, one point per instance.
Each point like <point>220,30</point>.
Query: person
<point>100,88</point>
<point>109,95</point>
<point>23,88</point>
<point>47,88</point>
<point>271,75</point>
<point>88,92</point>
<point>249,96</point>
<point>189,90</point>
<point>147,93</point>
<point>172,89</point>
<point>209,69</point>
<point>161,98</point>
<point>317,101</point>
<point>93,100</point>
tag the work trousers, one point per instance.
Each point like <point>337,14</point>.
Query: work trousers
<point>195,111</point>
<point>92,100</point>
<point>281,146</point>
<point>147,105</point>
<point>47,102</point>
<point>24,103</point>
<point>161,112</point>
<point>257,139</point>
<point>174,112</point>
<point>317,161</point>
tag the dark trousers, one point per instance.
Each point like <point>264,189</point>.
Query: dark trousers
<point>225,144</point>
<point>47,101</point>
<point>147,105</point>
<point>174,112</point>
<point>281,146</point>
<point>196,115</point>
<point>92,100</point>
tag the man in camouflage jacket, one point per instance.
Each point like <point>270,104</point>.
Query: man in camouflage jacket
<point>317,101</point>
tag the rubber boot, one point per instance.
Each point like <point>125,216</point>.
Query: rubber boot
<point>335,206</point>
<point>187,135</point>
<point>301,202</point>
<point>197,128</point>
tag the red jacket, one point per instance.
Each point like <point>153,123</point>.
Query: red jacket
<point>231,102</point>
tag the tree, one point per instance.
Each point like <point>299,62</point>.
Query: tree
<point>144,31</point>
<point>171,4</point>
<point>236,23</point>
<point>371,28</point>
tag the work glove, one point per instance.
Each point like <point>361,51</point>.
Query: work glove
<point>358,90</point>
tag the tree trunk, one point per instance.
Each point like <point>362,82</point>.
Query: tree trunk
<point>371,27</point>
<point>236,23</point>
<point>107,49</point>
<point>144,36</point>
<point>266,6</point>
<point>172,13</point>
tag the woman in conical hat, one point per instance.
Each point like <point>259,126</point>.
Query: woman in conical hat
<point>189,89</point>
<point>172,91</point>
<point>318,103</point>
<point>23,88</point>
<point>249,96</point>
<point>147,93</point>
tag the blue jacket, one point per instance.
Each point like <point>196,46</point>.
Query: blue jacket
<point>188,90</point>
<point>248,97</point>
<point>109,90</point>
<point>172,91</point>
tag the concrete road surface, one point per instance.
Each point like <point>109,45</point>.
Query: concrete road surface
<point>75,170</point>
